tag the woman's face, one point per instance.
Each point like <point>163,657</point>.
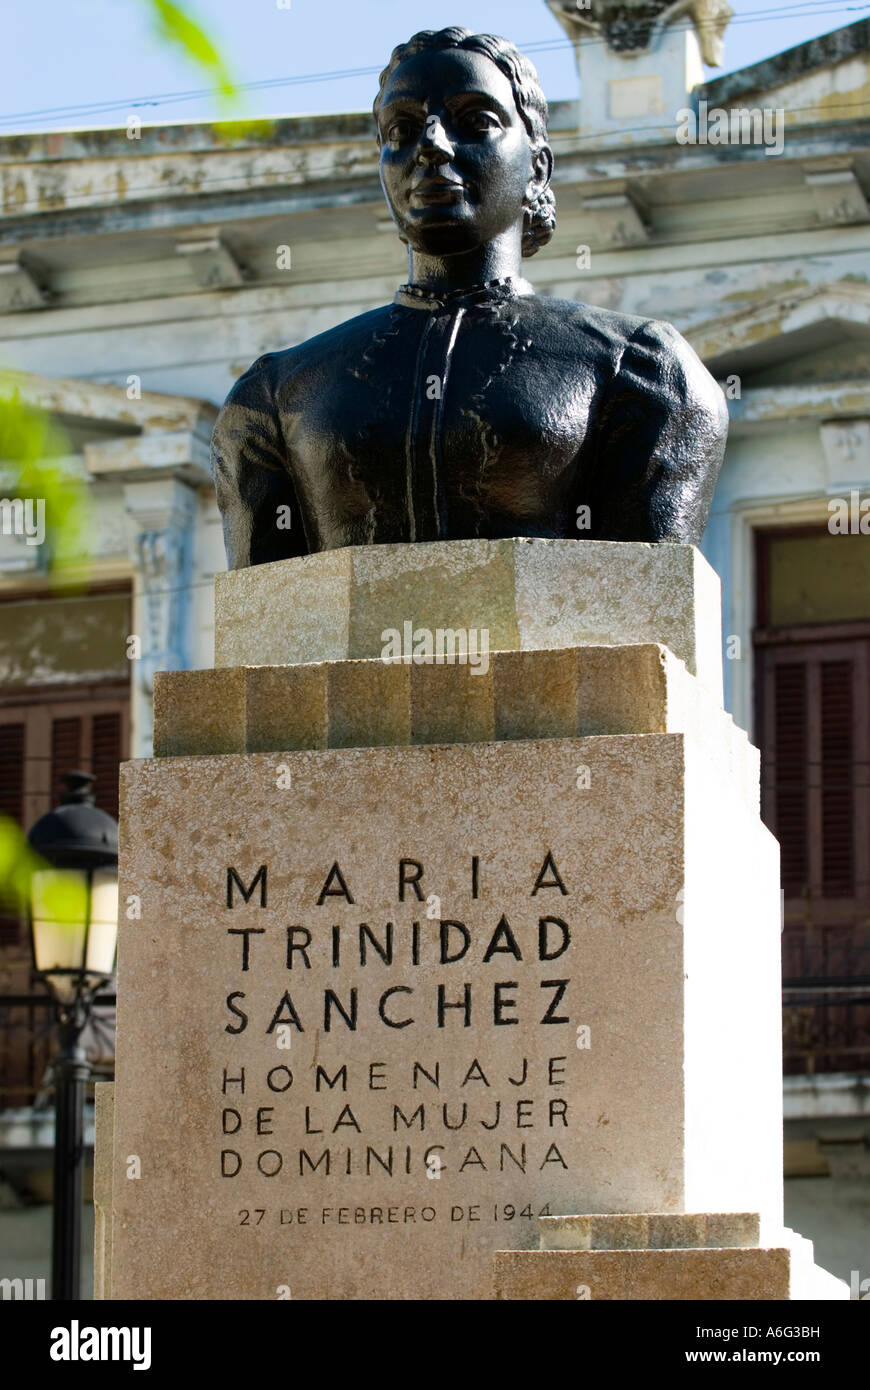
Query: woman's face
<point>456,159</point>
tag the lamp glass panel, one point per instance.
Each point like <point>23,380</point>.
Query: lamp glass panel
<point>103,935</point>
<point>59,899</point>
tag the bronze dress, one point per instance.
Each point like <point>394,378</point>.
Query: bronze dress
<point>485,412</point>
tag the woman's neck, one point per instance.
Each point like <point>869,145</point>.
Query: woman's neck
<point>497,259</point>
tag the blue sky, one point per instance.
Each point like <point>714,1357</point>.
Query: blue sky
<point>71,54</point>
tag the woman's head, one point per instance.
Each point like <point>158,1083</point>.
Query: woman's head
<point>466,112</point>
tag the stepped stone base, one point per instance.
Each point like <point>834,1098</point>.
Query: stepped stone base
<point>561,693</point>
<point>662,1257</point>
<point>513,993</point>
<point>655,1231</point>
<point>527,594</point>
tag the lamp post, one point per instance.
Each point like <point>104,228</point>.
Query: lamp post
<point>74,931</point>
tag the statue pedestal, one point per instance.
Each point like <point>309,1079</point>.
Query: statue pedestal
<point>687,1257</point>
<point>428,953</point>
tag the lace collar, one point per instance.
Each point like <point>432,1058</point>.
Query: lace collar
<point>423,297</point>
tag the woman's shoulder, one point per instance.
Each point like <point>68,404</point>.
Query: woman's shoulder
<point>649,354</point>
<point>614,329</point>
<point>344,342</point>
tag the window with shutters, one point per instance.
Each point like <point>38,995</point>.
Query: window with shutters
<point>51,722</point>
<point>812,684</point>
<point>45,738</point>
<point>39,742</point>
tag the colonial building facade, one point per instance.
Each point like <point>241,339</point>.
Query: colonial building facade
<point>143,268</point>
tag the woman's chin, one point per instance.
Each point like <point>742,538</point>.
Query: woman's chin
<point>443,239</point>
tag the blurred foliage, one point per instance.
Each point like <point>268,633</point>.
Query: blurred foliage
<point>62,899</point>
<point>175,23</point>
<point>258,128</point>
<point>32,449</point>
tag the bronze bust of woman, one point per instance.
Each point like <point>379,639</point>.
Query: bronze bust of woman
<point>470,406</point>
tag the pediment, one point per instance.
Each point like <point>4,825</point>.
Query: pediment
<point>123,431</point>
<point>804,323</point>
<point>109,408</point>
<point>826,76</point>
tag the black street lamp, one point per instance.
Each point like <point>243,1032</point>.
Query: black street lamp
<point>73,911</point>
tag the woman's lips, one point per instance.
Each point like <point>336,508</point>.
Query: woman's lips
<point>437,191</point>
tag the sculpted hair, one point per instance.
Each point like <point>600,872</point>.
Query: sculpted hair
<point>540,212</point>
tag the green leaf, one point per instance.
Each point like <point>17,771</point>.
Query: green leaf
<point>32,450</point>
<point>177,25</point>
<point>62,896</point>
<point>18,862</point>
<point>255,128</point>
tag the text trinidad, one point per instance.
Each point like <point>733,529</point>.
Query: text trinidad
<point>425,943</point>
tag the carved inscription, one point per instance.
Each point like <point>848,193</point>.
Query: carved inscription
<point>336,975</point>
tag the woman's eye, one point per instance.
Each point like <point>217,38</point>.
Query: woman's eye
<point>480,120</point>
<point>399,130</point>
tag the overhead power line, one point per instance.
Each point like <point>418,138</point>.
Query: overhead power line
<point>807,9</point>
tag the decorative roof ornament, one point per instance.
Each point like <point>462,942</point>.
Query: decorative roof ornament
<point>633,27</point>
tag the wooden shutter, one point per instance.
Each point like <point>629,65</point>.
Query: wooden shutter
<point>786,805</point>
<point>838,737</point>
<point>66,752</point>
<point>105,758</point>
<point>12,770</point>
<point>815,740</point>
<point>814,727</point>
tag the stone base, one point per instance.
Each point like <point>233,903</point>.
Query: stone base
<point>424,953</point>
<point>662,1257</point>
<point>598,1018</point>
<point>526,594</point>
<point>561,693</point>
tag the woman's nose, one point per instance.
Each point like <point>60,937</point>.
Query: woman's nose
<point>433,142</point>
